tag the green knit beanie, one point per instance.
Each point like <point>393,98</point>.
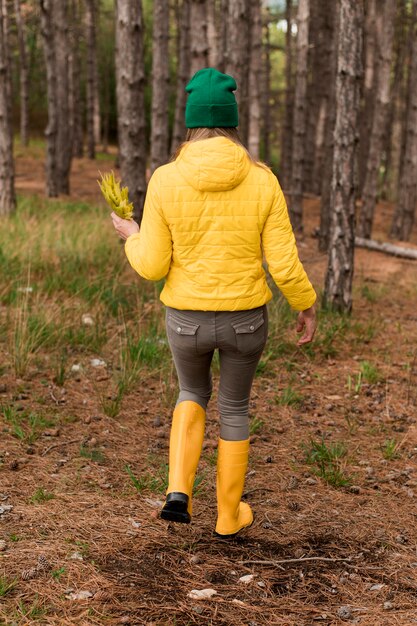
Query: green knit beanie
<point>211,102</point>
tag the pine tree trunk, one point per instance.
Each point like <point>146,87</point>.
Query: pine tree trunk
<point>75,92</point>
<point>255,70</point>
<point>397,110</point>
<point>373,25</point>
<point>7,191</point>
<point>24,74</point>
<point>407,189</point>
<point>160,84</point>
<point>223,51</point>
<point>266,92</point>
<point>212,34</point>
<point>183,73</point>
<point>198,36</point>
<point>238,58</point>
<point>130,87</point>
<point>287,133</point>
<point>93,114</point>
<point>383,76</point>
<point>318,91</point>
<point>324,178</point>
<point>338,284</point>
<point>299,119</point>
<point>54,25</point>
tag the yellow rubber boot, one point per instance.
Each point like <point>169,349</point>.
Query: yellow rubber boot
<point>185,445</point>
<point>232,462</point>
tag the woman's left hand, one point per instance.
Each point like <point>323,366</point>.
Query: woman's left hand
<point>125,228</point>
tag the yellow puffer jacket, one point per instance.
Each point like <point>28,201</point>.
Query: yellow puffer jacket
<point>208,218</point>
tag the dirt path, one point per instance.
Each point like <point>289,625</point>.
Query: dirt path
<point>319,553</point>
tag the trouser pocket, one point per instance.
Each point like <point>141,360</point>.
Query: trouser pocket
<point>251,331</point>
<point>181,332</point>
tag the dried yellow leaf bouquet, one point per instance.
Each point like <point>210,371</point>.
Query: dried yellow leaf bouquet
<point>116,196</point>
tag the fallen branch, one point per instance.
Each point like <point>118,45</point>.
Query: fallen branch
<point>387,248</point>
<point>301,560</point>
<point>62,443</point>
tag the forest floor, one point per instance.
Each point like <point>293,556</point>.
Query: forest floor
<point>84,422</point>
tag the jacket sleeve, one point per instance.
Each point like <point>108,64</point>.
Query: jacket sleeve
<point>281,254</point>
<point>149,252</point>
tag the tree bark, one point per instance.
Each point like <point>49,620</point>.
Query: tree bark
<point>318,91</point>
<point>160,84</point>
<point>183,73</point>
<point>255,70</point>
<point>24,74</point>
<point>338,283</point>
<point>238,58</point>
<point>130,86</point>
<point>370,187</point>
<point>7,190</point>
<point>75,92</point>
<point>407,189</point>
<point>266,93</point>
<point>287,133</point>
<point>299,119</point>
<point>212,34</point>
<point>223,52</point>
<point>328,152</point>
<point>54,24</point>
<point>93,106</point>
<point>198,36</point>
<point>373,25</point>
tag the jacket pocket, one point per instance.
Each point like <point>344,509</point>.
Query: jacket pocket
<point>250,332</point>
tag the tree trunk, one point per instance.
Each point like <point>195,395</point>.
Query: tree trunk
<point>93,107</point>
<point>287,134</point>
<point>223,51</point>
<point>299,119</point>
<point>373,25</point>
<point>255,70</point>
<point>7,191</point>
<point>324,182</point>
<point>130,87</point>
<point>212,34</point>
<point>75,94</point>
<point>183,73</point>
<point>238,58</point>
<point>370,187</point>
<point>160,84</point>
<point>407,189</point>
<point>198,36</point>
<point>54,26</point>
<point>395,116</point>
<point>266,93</point>
<point>24,74</point>
<point>318,91</point>
<point>338,284</point>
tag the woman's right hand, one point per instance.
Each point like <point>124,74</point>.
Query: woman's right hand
<point>306,321</point>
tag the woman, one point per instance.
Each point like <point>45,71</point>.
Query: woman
<point>209,217</point>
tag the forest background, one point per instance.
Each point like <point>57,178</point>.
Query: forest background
<point>327,93</point>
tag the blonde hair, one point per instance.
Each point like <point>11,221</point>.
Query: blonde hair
<point>195,134</point>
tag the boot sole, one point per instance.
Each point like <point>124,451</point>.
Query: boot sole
<point>230,536</point>
<point>175,509</point>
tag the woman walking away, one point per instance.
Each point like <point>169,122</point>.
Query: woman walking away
<point>209,217</point>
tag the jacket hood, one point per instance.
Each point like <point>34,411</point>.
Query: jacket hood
<point>214,164</point>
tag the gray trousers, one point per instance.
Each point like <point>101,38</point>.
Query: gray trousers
<point>240,337</point>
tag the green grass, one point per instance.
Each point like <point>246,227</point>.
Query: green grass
<point>289,397</point>
<point>255,425</point>
<point>6,585</point>
<point>57,573</point>
<point>32,611</point>
<point>370,372</point>
<point>24,425</point>
<point>325,460</point>
<point>390,449</point>
<point>92,454</point>
<point>156,481</point>
<point>40,496</point>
